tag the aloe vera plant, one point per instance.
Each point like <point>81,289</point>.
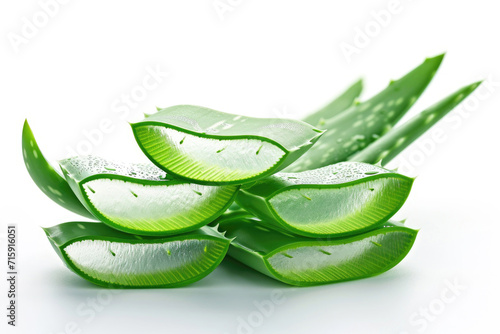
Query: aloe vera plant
<point>361,124</point>
<point>211,147</point>
<point>291,192</point>
<point>341,103</point>
<point>397,139</point>
<point>337,200</point>
<point>47,178</point>
<point>141,198</point>
<point>302,261</point>
<point>110,258</point>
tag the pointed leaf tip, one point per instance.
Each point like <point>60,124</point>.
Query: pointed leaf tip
<point>439,57</point>
<point>26,127</point>
<point>45,229</point>
<point>476,84</point>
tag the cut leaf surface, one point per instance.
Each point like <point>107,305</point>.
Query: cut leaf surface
<point>303,261</point>
<point>111,258</point>
<point>397,139</point>
<point>341,103</point>
<point>341,199</point>
<point>141,198</point>
<point>50,182</point>
<point>361,124</point>
<point>212,147</point>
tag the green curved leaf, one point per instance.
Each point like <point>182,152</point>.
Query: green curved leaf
<point>361,124</point>
<point>50,182</point>
<point>397,139</point>
<point>211,147</point>
<point>141,198</point>
<point>301,261</point>
<point>341,103</point>
<point>337,200</point>
<point>114,259</point>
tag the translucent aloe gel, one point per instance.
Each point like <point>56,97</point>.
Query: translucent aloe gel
<point>141,198</point>
<point>211,147</point>
<point>110,258</point>
<point>341,199</point>
<point>302,261</point>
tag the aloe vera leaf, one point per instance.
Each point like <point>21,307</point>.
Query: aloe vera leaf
<point>341,103</point>
<point>50,182</point>
<point>110,258</point>
<point>337,200</point>
<point>397,139</point>
<point>211,147</point>
<point>302,261</point>
<point>361,124</point>
<point>141,198</point>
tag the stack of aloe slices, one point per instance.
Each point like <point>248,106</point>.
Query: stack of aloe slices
<point>304,204</point>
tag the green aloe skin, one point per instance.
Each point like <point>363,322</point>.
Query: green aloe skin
<point>397,139</point>
<point>341,103</point>
<point>113,259</point>
<point>211,147</point>
<point>302,261</point>
<point>50,182</point>
<point>355,128</point>
<point>337,200</point>
<point>141,198</point>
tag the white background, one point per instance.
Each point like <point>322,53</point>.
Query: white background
<point>261,58</point>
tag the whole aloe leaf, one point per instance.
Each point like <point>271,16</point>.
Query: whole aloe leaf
<point>302,261</point>
<point>141,198</point>
<point>50,182</point>
<point>341,103</point>
<point>397,139</point>
<point>337,200</point>
<point>211,147</point>
<point>114,259</point>
<point>363,123</point>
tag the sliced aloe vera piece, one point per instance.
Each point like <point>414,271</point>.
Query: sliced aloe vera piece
<point>212,147</point>
<point>397,139</point>
<point>361,124</point>
<point>303,261</point>
<point>141,198</point>
<point>341,103</point>
<point>47,178</point>
<point>337,200</point>
<point>111,258</point>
